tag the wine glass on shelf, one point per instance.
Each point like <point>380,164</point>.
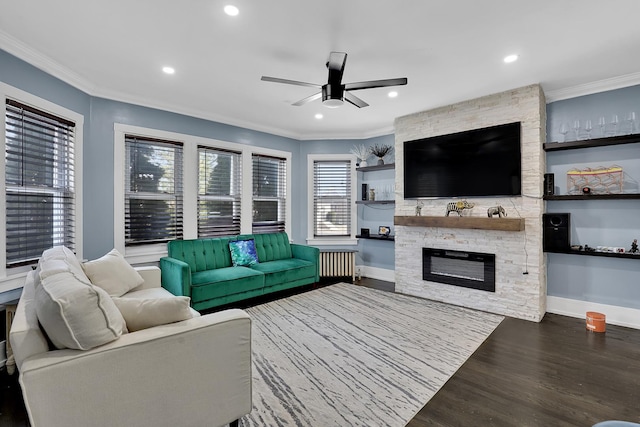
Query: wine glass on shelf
<point>588,127</point>
<point>576,128</point>
<point>631,119</point>
<point>564,129</point>
<point>602,123</point>
<point>614,124</point>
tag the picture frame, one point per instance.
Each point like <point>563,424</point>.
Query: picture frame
<point>364,232</point>
<point>384,230</point>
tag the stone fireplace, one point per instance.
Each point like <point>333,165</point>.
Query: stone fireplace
<point>519,263</point>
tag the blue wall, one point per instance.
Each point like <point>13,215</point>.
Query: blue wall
<point>598,222</point>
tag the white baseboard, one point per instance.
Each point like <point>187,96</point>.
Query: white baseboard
<point>377,273</point>
<point>615,315</point>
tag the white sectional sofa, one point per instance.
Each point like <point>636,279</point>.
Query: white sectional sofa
<point>194,372</point>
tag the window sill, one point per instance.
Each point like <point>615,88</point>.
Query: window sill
<point>332,241</point>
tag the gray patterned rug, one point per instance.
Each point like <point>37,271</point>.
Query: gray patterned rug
<point>346,355</point>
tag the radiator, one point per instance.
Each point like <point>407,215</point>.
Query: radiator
<point>338,263</point>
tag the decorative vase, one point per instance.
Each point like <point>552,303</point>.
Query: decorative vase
<point>363,163</point>
<point>380,161</point>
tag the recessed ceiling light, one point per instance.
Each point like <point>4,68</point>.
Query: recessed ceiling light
<point>510,58</point>
<point>231,10</point>
<point>319,116</point>
<point>392,94</point>
<point>168,70</point>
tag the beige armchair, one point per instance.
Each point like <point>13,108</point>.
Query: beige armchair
<point>195,372</point>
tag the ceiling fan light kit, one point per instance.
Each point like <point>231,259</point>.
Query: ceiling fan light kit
<point>334,93</point>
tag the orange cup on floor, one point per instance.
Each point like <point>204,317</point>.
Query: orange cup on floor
<point>596,322</point>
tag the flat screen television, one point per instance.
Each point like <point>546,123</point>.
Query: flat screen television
<point>475,163</point>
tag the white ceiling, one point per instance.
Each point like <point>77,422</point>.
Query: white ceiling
<point>450,50</point>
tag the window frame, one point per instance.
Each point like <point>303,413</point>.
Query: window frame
<point>330,240</point>
<point>236,158</point>
<point>151,253</point>
<point>13,277</point>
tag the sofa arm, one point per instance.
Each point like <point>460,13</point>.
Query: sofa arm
<point>176,276</point>
<point>151,275</point>
<point>307,253</point>
<point>196,372</point>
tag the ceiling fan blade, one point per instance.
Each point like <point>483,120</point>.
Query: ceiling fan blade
<point>352,99</point>
<point>376,83</point>
<point>308,99</point>
<point>336,63</point>
<point>289,82</point>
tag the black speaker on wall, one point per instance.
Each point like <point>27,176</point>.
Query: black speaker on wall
<point>549,185</point>
<point>555,234</point>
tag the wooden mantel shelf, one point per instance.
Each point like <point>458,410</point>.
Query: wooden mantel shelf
<point>478,223</point>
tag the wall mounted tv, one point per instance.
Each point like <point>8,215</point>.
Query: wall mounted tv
<point>475,163</point>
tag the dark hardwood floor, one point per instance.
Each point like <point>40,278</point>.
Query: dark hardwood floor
<point>552,373</point>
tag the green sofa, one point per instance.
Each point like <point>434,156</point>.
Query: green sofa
<point>202,269</point>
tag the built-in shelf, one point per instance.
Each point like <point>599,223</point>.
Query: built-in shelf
<point>601,254</point>
<point>375,202</point>
<point>376,237</point>
<point>593,197</point>
<point>377,167</point>
<point>478,223</point>
<point>598,142</point>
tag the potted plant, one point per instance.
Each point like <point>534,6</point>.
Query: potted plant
<point>361,152</point>
<point>380,151</point>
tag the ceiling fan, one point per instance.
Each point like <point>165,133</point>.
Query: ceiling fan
<point>334,93</point>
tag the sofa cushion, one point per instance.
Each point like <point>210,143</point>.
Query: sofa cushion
<point>243,252</point>
<point>224,281</point>
<point>272,246</point>
<point>285,270</point>
<point>201,254</point>
<point>76,314</point>
<point>113,273</point>
<point>143,313</point>
<point>55,260</point>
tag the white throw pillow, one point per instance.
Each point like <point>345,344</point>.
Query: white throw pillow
<point>76,314</point>
<point>143,313</point>
<point>56,260</point>
<point>113,274</point>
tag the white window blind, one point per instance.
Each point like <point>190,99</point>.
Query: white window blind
<point>332,198</point>
<point>153,190</point>
<point>39,178</point>
<point>219,175</point>
<point>269,194</point>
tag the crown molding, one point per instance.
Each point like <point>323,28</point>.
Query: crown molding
<point>55,69</point>
<point>31,56</point>
<point>593,87</point>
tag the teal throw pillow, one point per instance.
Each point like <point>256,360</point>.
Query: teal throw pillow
<point>243,252</point>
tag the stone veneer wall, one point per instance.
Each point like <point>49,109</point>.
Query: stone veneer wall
<point>517,294</point>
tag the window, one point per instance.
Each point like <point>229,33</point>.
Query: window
<point>332,198</point>
<point>39,179</point>
<point>219,187</point>
<point>153,190</point>
<point>269,194</point>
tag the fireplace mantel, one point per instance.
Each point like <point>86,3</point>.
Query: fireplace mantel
<point>478,223</point>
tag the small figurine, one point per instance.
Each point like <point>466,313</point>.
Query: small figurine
<point>634,247</point>
<point>496,210</point>
<point>419,206</point>
<point>458,207</point>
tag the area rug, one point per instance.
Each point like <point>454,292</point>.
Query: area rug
<point>346,355</point>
